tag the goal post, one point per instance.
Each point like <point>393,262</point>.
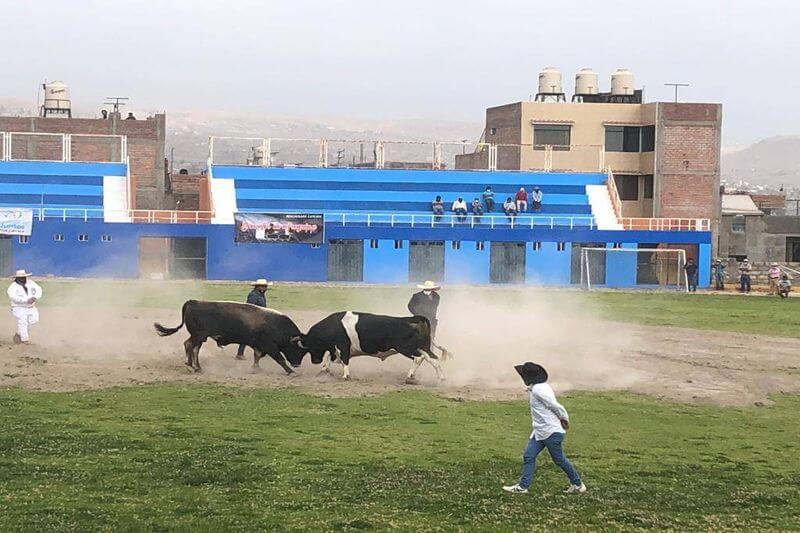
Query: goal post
<point>644,268</point>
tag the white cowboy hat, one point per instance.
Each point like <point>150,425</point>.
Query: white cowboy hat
<point>429,286</point>
<point>21,274</point>
<point>773,264</point>
<point>261,282</point>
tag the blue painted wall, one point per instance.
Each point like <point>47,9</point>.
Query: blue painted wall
<point>467,265</point>
<point>298,262</point>
<point>621,266</point>
<point>385,264</point>
<point>548,265</point>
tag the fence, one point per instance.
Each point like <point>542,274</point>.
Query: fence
<point>151,216</point>
<point>471,221</point>
<point>63,147</point>
<point>666,224</point>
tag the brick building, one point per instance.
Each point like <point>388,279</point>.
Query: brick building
<point>665,157</point>
<point>145,147</point>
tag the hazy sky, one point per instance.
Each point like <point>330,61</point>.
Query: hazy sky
<point>404,58</point>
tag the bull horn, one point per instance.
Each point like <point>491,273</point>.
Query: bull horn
<point>298,341</point>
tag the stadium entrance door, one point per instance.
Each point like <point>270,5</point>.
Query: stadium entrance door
<point>597,263</point>
<point>345,260</point>
<point>5,255</point>
<point>426,261</point>
<point>507,262</point>
<point>172,257</point>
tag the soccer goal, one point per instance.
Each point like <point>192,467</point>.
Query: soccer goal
<point>644,268</point>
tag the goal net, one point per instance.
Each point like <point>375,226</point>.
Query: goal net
<point>644,268</point>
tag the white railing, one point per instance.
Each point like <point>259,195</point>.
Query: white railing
<point>62,147</point>
<point>460,221</point>
<point>151,216</point>
<point>616,202</point>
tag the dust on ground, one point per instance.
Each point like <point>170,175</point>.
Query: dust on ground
<point>86,348</point>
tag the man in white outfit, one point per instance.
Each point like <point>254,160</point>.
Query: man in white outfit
<point>24,294</point>
<point>550,421</point>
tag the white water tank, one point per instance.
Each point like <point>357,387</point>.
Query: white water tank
<point>622,82</point>
<point>550,81</point>
<point>586,82</point>
<point>56,97</point>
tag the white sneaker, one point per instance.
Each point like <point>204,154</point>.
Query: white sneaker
<point>515,489</point>
<point>574,489</point>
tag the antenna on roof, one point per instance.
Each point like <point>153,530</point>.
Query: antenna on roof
<point>116,102</point>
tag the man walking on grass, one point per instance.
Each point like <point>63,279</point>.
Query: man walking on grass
<point>24,293</point>
<point>550,421</point>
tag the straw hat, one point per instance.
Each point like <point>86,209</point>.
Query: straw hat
<point>774,264</point>
<point>261,282</point>
<point>21,274</point>
<point>429,286</point>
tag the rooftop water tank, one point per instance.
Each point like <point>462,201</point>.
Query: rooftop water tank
<point>56,98</point>
<point>586,82</point>
<point>550,81</point>
<point>622,83</point>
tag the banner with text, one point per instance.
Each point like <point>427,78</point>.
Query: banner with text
<point>15,221</point>
<point>278,228</point>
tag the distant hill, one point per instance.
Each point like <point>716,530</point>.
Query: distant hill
<point>773,161</point>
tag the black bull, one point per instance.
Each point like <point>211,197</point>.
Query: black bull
<point>346,334</point>
<point>267,331</point>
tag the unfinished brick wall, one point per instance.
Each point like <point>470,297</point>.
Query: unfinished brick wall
<point>688,160</point>
<point>146,140</point>
<point>186,191</point>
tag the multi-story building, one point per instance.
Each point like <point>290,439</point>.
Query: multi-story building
<point>664,156</point>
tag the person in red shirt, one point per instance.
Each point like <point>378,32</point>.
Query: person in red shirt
<point>522,200</point>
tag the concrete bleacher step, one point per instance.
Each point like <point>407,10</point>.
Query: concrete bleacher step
<point>602,208</point>
<point>115,199</point>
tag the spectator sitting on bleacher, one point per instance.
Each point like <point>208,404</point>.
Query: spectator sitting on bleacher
<point>510,208</point>
<point>460,208</point>
<point>536,199</point>
<point>488,199</point>
<point>522,200</point>
<point>437,207</point>
<point>477,209</point>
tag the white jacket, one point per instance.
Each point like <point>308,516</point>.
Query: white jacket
<point>19,297</point>
<point>546,412</point>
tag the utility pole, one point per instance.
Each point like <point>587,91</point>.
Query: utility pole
<point>676,85</point>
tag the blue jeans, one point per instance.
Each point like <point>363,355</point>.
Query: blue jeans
<point>553,444</point>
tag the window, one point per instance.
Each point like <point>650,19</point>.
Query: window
<point>648,138</point>
<point>316,245</point>
<point>648,186</point>
<point>536,246</point>
<point>398,245</point>
<point>555,135</point>
<point>738,224</point>
<point>105,238</point>
<point>83,237</point>
<point>616,245</point>
<point>630,138</point>
<point>456,245</point>
<point>628,187</point>
<point>492,131</point>
<point>58,237</point>
<point>479,246</point>
<point>561,247</point>
<point>373,243</point>
<point>23,239</point>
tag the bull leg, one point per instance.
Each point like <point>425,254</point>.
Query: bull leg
<point>410,378</point>
<point>434,362</point>
<point>345,360</point>
<point>188,346</point>
<point>257,355</point>
<point>196,358</point>
<point>281,360</point>
<point>326,363</point>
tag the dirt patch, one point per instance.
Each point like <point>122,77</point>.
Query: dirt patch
<point>102,347</point>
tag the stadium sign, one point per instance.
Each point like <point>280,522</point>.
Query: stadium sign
<point>298,228</point>
<point>15,221</point>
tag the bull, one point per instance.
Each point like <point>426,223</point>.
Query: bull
<point>267,331</point>
<point>347,334</point>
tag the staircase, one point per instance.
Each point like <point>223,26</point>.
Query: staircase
<point>115,199</point>
<point>602,208</point>
<point>223,200</point>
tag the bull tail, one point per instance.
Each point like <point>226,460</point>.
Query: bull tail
<point>165,331</point>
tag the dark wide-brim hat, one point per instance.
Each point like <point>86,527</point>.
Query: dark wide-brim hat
<point>531,373</point>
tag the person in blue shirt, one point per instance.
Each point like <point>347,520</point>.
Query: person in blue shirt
<point>256,297</point>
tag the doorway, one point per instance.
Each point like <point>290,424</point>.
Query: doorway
<point>345,260</point>
<point>507,262</point>
<point>426,261</point>
<point>172,257</point>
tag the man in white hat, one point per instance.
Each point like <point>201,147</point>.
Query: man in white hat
<point>256,297</point>
<point>426,303</point>
<point>24,293</point>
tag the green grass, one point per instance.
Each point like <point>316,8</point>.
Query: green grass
<point>759,315</point>
<point>203,458</point>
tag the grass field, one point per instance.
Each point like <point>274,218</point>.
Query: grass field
<point>756,314</point>
<point>212,458</point>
